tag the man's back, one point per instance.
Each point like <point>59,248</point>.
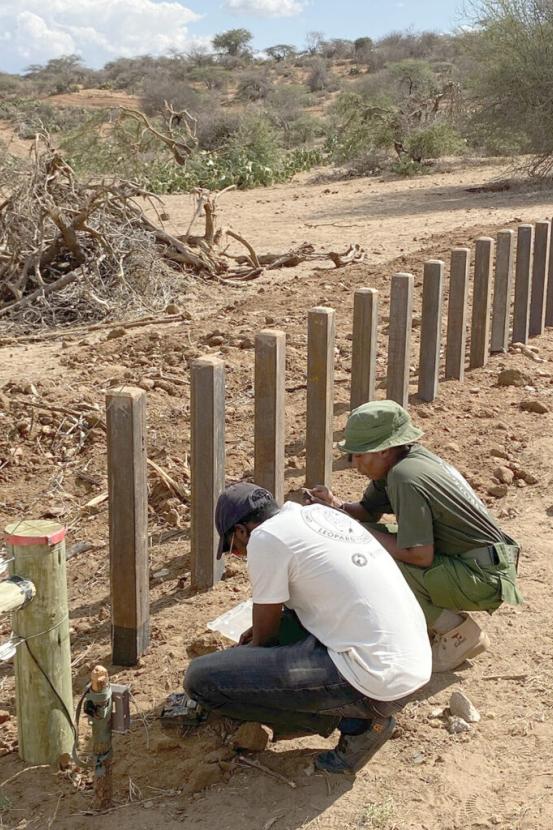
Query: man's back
<point>348,592</point>
<point>433,505</point>
<point>461,521</point>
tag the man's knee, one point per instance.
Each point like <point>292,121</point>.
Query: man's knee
<point>197,677</point>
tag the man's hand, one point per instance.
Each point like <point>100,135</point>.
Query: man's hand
<point>246,636</point>
<point>322,495</point>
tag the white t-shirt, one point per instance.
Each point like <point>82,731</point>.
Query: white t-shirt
<point>348,592</point>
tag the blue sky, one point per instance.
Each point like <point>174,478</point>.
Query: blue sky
<point>335,18</point>
<point>33,31</point>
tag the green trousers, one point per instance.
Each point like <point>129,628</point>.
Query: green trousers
<point>459,583</point>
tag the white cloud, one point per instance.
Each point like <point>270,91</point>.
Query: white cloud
<point>266,8</point>
<point>33,31</point>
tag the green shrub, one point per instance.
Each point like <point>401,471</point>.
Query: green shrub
<point>254,86</point>
<point>160,89</point>
<point>30,116</point>
<point>320,78</point>
<point>433,142</point>
<point>215,127</point>
<point>407,167</point>
<point>252,157</point>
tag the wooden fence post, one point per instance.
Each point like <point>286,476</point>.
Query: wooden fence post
<point>539,278</point>
<point>270,368</point>
<point>523,283</point>
<point>364,346</point>
<point>457,314</point>
<point>431,329</point>
<point>399,343</point>
<point>320,395</point>
<point>44,716</point>
<point>128,524</point>
<point>503,289</point>
<point>481,302</point>
<point>207,467</point>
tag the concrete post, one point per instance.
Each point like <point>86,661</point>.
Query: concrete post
<point>539,278</point>
<point>431,329</point>
<point>270,369</point>
<point>399,343</point>
<point>503,289</point>
<point>549,290</point>
<point>128,524</point>
<point>457,314</point>
<point>207,467</point>
<point>481,303</point>
<point>320,395</point>
<point>364,346</point>
<point>523,283</point>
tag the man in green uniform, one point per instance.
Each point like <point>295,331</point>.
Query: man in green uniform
<point>447,545</point>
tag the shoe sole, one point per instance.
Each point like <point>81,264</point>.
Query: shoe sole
<point>481,646</point>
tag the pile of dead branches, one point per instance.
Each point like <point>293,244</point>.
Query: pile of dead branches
<point>74,252</point>
<point>71,251</point>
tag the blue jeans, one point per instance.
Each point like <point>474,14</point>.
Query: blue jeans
<point>292,688</point>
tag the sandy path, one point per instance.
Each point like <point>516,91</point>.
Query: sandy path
<point>386,216</point>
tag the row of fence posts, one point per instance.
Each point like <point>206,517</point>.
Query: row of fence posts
<point>489,332</point>
<point>37,548</point>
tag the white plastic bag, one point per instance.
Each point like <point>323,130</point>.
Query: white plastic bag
<point>233,623</point>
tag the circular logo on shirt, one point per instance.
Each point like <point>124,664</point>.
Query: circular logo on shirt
<point>334,525</point>
<point>359,559</point>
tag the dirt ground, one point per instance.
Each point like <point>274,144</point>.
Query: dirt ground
<point>498,775</point>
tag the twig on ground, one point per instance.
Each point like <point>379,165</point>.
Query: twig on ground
<point>169,482</point>
<point>21,771</point>
<point>505,677</point>
<point>256,765</point>
<point>167,794</point>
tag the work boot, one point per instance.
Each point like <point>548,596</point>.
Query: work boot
<point>353,751</point>
<point>461,643</point>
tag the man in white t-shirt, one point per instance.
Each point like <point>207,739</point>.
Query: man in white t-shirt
<point>362,646</point>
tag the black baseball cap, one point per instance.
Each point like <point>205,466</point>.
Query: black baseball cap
<point>235,503</point>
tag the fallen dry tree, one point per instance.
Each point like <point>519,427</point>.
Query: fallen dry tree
<point>72,251</point>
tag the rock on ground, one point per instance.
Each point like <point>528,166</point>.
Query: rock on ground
<point>461,706</point>
<point>205,644</point>
<point>456,726</point>
<point>251,736</point>
<point>514,377</point>
<point>504,475</point>
<point>534,405</point>
<point>498,491</point>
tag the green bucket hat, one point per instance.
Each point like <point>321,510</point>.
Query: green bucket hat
<point>378,425</point>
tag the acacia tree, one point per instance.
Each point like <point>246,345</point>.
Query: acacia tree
<point>512,77</point>
<point>281,52</point>
<point>233,42</point>
<point>363,50</point>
